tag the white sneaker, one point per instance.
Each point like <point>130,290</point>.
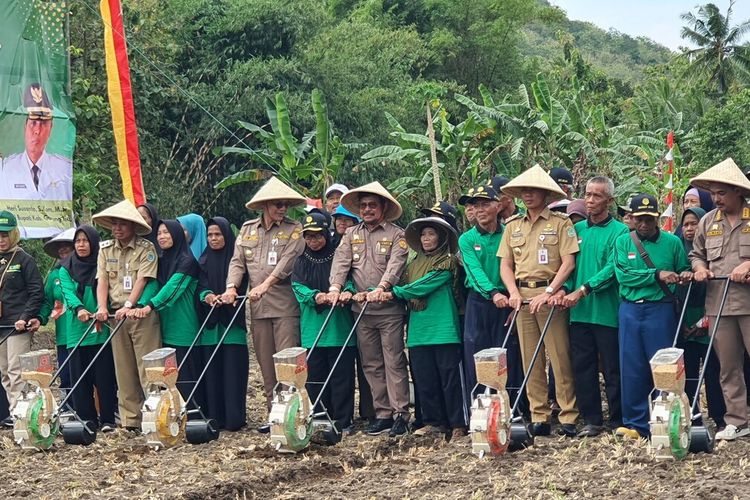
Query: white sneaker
<point>731,432</point>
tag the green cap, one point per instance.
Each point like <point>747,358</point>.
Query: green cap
<point>8,221</point>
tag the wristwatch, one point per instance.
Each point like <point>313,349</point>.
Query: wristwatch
<point>128,304</point>
<point>549,290</point>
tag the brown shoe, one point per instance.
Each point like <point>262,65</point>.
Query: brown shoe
<point>458,433</point>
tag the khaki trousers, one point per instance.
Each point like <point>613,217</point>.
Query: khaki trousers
<point>135,339</point>
<point>556,345</point>
<point>381,346</point>
<point>732,339</point>
<point>270,336</point>
<point>10,365</point>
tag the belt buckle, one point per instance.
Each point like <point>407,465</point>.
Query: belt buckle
<point>531,284</point>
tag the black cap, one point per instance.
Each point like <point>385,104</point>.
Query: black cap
<point>480,192</point>
<point>561,176</point>
<point>498,182</point>
<point>445,211</point>
<point>320,211</point>
<point>315,222</point>
<point>644,204</point>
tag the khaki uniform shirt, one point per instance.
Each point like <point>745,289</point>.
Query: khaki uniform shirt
<point>268,252</point>
<point>721,248</point>
<point>537,249</point>
<point>116,264</point>
<point>373,256</point>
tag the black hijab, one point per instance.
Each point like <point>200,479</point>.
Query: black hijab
<point>313,269</point>
<point>214,268</point>
<point>83,269</point>
<point>154,224</point>
<point>177,258</point>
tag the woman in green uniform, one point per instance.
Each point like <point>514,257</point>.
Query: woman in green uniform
<point>78,285</point>
<point>176,302</point>
<point>310,283</point>
<point>59,247</point>
<point>433,336</point>
<point>226,379</point>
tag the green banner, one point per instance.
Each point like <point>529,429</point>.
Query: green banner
<point>37,129</point>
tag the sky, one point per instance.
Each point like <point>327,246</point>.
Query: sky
<point>655,19</point>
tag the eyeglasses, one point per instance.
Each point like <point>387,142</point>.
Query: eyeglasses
<point>281,204</point>
<point>371,204</point>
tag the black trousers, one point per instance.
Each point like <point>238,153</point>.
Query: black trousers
<point>4,409</point>
<point>226,385</point>
<point>437,376</point>
<point>695,354</point>
<point>62,355</point>
<point>101,376</point>
<point>338,397</point>
<point>588,344</point>
<point>187,377</point>
<point>366,406</point>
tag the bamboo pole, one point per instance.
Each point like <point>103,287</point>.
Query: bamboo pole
<point>433,156</point>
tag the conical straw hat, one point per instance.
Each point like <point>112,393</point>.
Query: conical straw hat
<point>52,247</point>
<point>726,172</point>
<point>537,178</point>
<point>275,190</point>
<point>351,200</point>
<point>124,210</point>
<point>413,232</point>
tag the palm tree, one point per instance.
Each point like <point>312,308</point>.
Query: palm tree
<point>720,52</point>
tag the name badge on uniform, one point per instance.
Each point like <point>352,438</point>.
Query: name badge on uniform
<point>272,257</point>
<point>543,256</point>
<point>127,283</point>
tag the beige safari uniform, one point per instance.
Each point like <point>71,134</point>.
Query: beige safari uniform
<point>529,245</point>
<point>136,337</point>
<point>721,247</point>
<point>274,319</point>
<point>375,256</point>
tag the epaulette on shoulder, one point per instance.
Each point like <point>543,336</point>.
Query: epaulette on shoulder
<point>106,243</point>
<point>143,242</point>
<point>251,221</point>
<point>514,217</point>
<point>560,215</point>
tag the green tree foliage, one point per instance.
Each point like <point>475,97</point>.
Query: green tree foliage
<point>724,133</point>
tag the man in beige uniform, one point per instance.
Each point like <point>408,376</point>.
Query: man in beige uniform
<point>266,249</point>
<point>721,247</point>
<point>538,254</point>
<point>374,252</point>
<point>126,276</point>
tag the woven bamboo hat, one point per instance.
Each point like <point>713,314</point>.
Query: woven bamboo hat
<point>413,232</point>
<point>393,208</point>
<point>536,178</point>
<point>124,210</point>
<point>726,172</point>
<point>275,190</point>
<point>67,237</point>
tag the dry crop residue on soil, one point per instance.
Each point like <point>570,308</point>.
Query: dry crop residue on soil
<point>242,465</point>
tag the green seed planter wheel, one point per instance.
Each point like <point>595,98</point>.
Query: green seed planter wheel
<point>38,437</point>
<point>292,430</point>
<point>678,439</point>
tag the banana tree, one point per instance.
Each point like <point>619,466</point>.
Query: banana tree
<point>308,164</point>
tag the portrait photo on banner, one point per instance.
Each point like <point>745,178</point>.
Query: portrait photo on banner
<point>37,128</point>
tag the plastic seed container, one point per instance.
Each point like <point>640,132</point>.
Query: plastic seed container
<point>668,369</point>
<point>37,367</point>
<point>492,367</point>
<point>161,366</point>
<point>291,366</point>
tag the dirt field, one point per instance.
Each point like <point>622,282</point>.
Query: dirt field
<point>242,465</point>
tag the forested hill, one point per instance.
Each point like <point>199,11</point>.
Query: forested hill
<point>617,54</point>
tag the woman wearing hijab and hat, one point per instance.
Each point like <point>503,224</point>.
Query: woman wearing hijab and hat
<point>21,295</point>
<point>343,219</point>
<point>59,247</point>
<point>429,287</point>
<point>265,251</point>
<point>695,197</point>
<point>310,284</point>
<point>226,379</point>
<point>151,216</point>
<point>78,284</point>
<point>195,232</point>
<point>694,338</point>
<point>176,301</point>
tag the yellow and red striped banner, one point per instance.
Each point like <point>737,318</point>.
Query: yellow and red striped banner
<point>121,102</point>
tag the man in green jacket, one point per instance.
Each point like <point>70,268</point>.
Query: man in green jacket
<point>594,303</point>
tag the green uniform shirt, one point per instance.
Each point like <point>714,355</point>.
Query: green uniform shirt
<point>595,270</point>
<point>53,292</point>
<point>437,323</point>
<point>76,328</point>
<point>211,336</point>
<point>481,263</point>
<point>177,310</point>
<point>311,320</point>
<point>637,280</point>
